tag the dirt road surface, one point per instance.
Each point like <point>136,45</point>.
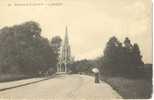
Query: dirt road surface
<point>63,87</point>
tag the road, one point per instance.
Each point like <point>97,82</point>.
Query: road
<point>63,87</point>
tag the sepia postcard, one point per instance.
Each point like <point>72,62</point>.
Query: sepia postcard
<point>76,49</point>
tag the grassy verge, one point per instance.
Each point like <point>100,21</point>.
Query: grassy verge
<point>12,77</point>
<point>131,88</point>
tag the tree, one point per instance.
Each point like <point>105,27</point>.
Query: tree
<point>137,58</point>
<point>84,66</point>
<point>56,44</point>
<point>121,60</point>
<point>23,50</point>
<point>127,43</point>
<point>111,56</point>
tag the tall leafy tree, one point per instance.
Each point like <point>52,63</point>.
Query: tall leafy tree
<point>127,43</point>
<point>111,56</point>
<point>56,44</point>
<point>23,50</point>
<point>121,59</point>
<point>137,57</point>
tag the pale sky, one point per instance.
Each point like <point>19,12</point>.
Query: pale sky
<point>90,22</point>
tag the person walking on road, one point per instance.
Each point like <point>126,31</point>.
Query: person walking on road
<point>96,72</point>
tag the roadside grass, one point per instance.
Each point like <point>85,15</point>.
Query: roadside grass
<point>131,88</point>
<point>14,77</point>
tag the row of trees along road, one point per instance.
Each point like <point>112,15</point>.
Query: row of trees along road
<point>122,59</point>
<point>23,50</point>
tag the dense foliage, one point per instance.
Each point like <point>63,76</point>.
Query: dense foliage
<point>23,50</point>
<point>56,43</point>
<point>81,66</point>
<point>85,66</point>
<point>122,59</point>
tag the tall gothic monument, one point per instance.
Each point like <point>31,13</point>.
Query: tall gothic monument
<point>65,58</point>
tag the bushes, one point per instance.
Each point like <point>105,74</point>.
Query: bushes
<point>84,66</point>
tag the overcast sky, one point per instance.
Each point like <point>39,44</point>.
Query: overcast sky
<point>90,22</point>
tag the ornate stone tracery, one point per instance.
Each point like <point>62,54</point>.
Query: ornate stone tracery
<point>65,56</point>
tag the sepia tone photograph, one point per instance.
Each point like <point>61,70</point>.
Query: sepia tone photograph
<point>76,49</point>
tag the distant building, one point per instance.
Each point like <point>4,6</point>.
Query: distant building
<point>65,58</point>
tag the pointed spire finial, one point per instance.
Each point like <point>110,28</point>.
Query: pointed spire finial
<point>66,30</point>
<point>66,36</point>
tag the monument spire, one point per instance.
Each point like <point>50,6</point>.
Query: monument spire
<point>65,55</point>
<point>66,36</point>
